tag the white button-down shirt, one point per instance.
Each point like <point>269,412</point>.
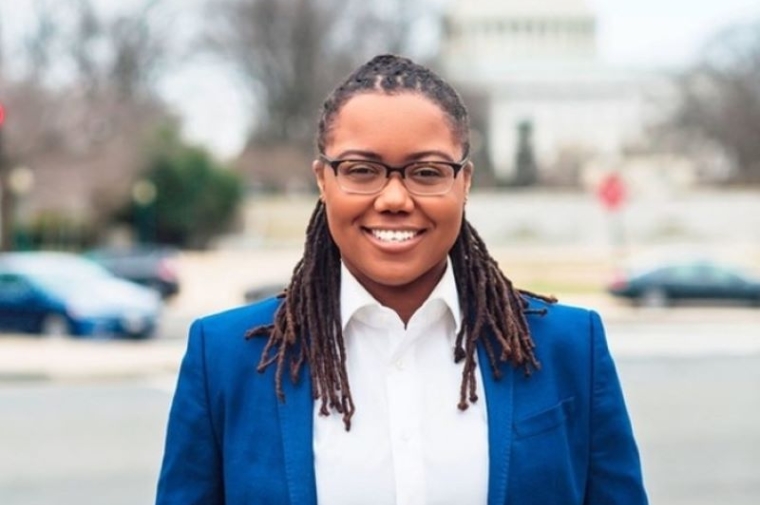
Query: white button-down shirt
<point>409,444</point>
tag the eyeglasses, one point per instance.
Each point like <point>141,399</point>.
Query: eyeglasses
<point>421,178</point>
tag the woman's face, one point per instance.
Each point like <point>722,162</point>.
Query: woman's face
<point>393,240</point>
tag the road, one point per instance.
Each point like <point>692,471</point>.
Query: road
<point>83,444</point>
<point>692,390</point>
<point>697,424</point>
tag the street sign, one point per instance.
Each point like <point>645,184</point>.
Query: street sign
<point>611,191</point>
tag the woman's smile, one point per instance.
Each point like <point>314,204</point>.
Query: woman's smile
<point>394,240</point>
<point>394,235</point>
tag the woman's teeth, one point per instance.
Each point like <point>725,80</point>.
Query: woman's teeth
<point>393,235</point>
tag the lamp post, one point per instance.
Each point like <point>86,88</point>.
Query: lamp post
<point>20,184</point>
<point>144,194</point>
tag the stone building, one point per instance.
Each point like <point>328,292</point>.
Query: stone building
<point>535,64</point>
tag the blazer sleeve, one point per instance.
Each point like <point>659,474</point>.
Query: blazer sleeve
<point>614,468</point>
<point>191,472</point>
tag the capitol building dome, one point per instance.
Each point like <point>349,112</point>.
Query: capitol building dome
<point>508,33</point>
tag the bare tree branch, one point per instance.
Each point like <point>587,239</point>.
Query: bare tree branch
<point>38,44</point>
<point>720,99</point>
<point>289,53</point>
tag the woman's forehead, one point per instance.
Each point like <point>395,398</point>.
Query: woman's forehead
<point>379,119</point>
<point>379,100</point>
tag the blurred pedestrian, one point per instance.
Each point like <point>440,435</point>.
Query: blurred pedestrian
<point>400,366</point>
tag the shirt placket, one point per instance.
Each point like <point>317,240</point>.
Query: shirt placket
<point>402,381</point>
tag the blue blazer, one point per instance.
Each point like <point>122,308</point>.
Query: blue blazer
<point>560,436</point>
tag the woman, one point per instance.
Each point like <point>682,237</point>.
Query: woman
<point>368,388</point>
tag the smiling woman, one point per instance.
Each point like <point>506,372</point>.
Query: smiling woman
<point>400,366</point>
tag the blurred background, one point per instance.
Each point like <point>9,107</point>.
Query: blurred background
<point>154,161</point>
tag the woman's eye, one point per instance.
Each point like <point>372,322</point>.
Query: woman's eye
<point>427,172</point>
<point>360,170</point>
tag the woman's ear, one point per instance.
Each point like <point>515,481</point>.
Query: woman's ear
<point>467,174</point>
<point>319,172</point>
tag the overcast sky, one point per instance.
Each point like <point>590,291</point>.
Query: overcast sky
<point>638,33</point>
<point>664,32</point>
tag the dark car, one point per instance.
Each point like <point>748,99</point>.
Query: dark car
<point>66,294</point>
<point>154,267</point>
<point>699,281</point>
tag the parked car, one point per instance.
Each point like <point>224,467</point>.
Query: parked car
<point>150,266</point>
<point>65,294</point>
<point>696,281</point>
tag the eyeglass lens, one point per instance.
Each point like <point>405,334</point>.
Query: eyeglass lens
<point>366,177</point>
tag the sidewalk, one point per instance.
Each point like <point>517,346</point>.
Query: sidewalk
<point>27,358</point>
<point>631,333</point>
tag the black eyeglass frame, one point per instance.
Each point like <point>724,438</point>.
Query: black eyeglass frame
<point>389,169</point>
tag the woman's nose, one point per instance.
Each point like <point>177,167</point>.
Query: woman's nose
<point>394,197</point>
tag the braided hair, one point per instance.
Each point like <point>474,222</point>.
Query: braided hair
<point>307,326</point>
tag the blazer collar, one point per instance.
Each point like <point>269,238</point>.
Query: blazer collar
<point>297,422</point>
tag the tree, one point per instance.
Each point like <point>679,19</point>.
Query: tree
<point>83,98</point>
<point>183,197</point>
<point>720,99</point>
<point>289,53</point>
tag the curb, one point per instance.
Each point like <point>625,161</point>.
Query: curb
<point>638,333</point>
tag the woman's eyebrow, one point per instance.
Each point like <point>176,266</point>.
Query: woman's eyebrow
<point>426,154</point>
<point>371,155</point>
<point>359,153</point>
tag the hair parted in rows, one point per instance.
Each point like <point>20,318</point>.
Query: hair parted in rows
<point>307,325</point>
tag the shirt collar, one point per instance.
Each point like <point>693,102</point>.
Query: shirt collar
<point>354,297</point>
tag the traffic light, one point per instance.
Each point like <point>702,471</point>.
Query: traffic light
<point>2,114</point>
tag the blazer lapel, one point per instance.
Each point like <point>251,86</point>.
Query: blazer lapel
<point>499,400</point>
<point>296,422</point>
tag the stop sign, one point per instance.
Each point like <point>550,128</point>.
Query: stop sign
<point>611,191</point>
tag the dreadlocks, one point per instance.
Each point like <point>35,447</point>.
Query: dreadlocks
<point>307,326</point>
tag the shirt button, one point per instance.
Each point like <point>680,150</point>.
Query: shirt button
<point>399,364</point>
